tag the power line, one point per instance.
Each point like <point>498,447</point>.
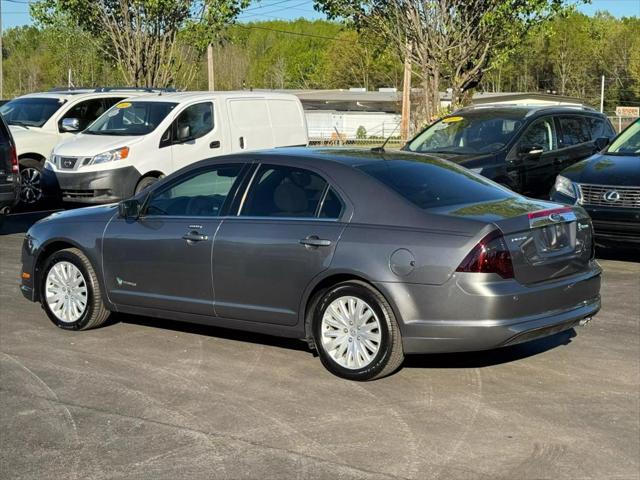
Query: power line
<point>287,7</point>
<point>257,7</point>
<point>300,34</point>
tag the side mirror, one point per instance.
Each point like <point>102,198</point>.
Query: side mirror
<point>129,208</point>
<point>184,133</point>
<point>71,124</point>
<point>530,150</point>
<point>601,143</point>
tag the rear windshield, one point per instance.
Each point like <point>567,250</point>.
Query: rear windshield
<point>131,118</point>
<point>628,142</point>
<point>30,112</point>
<point>432,183</point>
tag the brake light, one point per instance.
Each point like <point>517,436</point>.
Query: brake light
<point>14,160</point>
<point>490,255</point>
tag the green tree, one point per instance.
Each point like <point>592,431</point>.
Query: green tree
<point>450,42</point>
<point>140,36</point>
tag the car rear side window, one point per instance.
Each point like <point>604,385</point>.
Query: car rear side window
<point>280,191</point>
<point>434,183</point>
<point>331,206</point>
<point>575,130</point>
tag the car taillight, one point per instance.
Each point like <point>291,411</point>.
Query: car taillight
<point>490,255</point>
<point>14,160</point>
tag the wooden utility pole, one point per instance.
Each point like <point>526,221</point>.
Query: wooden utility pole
<point>212,83</point>
<point>406,100</point>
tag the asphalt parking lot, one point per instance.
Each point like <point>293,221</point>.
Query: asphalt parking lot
<point>155,399</point>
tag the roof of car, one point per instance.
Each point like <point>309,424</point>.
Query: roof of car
<point>521,110</point>
<point>68,94</point>
<point>189,96</point>
<point>354,157</point>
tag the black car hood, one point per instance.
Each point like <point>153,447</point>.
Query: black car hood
<point>604,169</point>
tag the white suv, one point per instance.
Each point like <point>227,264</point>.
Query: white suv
<point>39,121</point>
<point>142,139</point>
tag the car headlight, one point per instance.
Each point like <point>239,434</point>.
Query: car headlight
<point>54,161</point>
<point>110,156</point>
<point>565,186</point>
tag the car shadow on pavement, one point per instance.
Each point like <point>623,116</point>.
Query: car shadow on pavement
<point>487,358</point>
<point>443,360</point>
<point>210,331</point>
<point>619,253</point>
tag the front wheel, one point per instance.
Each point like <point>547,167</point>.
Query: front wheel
<point>70,293</point>
<point>356,332</point>
<point>30,182</point>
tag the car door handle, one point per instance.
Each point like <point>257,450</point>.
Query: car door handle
<point>314,241</point>
<point>215,144</point>
<point>194,237</point>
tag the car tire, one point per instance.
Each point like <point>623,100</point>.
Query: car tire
<point>70,293</point>
<point>145,182</point>
<point>30,182</point>
<point>356,333</point>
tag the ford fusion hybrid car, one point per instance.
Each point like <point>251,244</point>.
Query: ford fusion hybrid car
<point>366,256</point>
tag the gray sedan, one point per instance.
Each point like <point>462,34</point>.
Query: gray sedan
<point>366,256</point>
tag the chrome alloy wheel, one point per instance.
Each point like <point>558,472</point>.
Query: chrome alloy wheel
<point>66,292</point>
<point>30,188</point>
<point>351,333</point>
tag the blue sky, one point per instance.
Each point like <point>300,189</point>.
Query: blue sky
<point>15,12</point>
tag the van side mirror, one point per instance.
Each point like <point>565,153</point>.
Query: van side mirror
<point>184,133</point>
<point>71,124</point>
<point>601,143</point>
<point>130,208</point>
<point>530,150</point>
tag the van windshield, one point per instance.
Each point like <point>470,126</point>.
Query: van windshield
<point>131,118</point>
<point>30,112</point>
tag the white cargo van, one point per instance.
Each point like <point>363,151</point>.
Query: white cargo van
<point>39,121</point>
<point>140,140</point>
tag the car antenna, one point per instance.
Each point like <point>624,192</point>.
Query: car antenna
<point>380,149</point>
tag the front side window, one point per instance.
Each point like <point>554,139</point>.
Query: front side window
<point>279,191</point>
<point>628,142</point>
<point>196,120</point>
<point>131,118</point>
<point>200,195</point>
<point>89,110</point>
<point>30,112</point>
<point>471,133</point>
<point>575,130</point>
<point>540,133</point>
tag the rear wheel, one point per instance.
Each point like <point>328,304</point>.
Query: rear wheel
<point>30,181</point>
<point>70,293</point>
<point>356,333</point>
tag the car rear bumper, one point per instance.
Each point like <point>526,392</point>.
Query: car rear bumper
<point>105,186</point>
<point>467,316</point>
<point>9,194</point>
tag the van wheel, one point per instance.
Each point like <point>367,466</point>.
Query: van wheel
<point>70,293</point>
<point>144,183</point>
<point>356,332</point>
<point>30,178</point>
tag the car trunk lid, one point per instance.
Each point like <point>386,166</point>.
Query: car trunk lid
<point>546,241</point>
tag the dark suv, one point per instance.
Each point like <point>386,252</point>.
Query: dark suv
<point>9,173</point>
<point>521,147</point>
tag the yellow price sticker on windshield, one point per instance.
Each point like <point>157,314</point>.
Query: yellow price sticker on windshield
<point>123,105</point>
<point>452,119</point>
